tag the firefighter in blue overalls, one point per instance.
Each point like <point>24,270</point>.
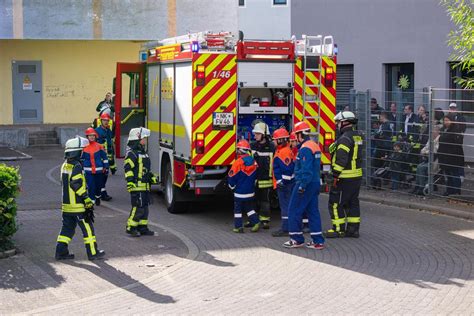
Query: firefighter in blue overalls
<point>96,165</point>
<point>137,166</point>
<point>105,139</point>
<point>283,176</point>
<point>346,178</point>
<point>241,180</point>
<point>106,117</point>
<point>263,150</point>
<point>305,195</point>
<point>77,207</point>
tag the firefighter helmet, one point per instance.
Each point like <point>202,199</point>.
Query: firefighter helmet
<point>346,116</point>
<point>280,133</point>
<point>105,110</point>
<point>293,136</point>
<point>75,144</point>
<point>105,116</point>
<point>243,144</point>
<point>261,128</point>
<point>91,131</point>
<point>138,133</point>
<point>302,127</point>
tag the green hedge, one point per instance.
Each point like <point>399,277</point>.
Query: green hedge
<point>9,189</point>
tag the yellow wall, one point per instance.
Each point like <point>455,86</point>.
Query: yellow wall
<point>76,75</point>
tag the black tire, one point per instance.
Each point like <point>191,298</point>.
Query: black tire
<point>171,192</point>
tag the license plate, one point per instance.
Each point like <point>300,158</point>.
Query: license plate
<point>222,121</point>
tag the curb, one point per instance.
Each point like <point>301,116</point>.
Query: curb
<point>419,206</point>
<point>22,156</point>
<point>7,253</point>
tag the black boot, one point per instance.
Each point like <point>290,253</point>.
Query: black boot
<point>133,232</point>
<point>144,231</point>
<point>65,256</point>
<point>98,255</point>
<point>352,231</point>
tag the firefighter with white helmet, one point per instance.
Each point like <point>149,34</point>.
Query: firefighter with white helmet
<point>139,177</point>
<point>77,207</point>
<point>346,178</point>
<point>263,150</point>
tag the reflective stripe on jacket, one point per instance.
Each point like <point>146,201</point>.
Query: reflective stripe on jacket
<point>242,176</point>
<point>73,187</point>
<point>283,166</point>
<point>346,161</point>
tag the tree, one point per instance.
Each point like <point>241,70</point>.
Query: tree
<point>461,38</point>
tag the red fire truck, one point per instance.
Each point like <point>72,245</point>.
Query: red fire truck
<point>201,92</point>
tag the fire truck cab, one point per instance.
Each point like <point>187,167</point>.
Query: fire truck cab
<point>202,92</point>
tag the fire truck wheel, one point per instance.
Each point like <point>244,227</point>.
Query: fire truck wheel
<point>171,192</point>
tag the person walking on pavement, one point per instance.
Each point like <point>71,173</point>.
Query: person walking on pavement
<point>77,207</point>
<point>263,150</point>
<point>105,139</point>
<point>139,177</point>
<point>241,180</point>
<point>96,165</point>
<point>346,165</point>
<point>283,176</point>
<point>305,195</point>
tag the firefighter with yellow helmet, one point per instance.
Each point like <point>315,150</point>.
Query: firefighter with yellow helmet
<point>139,177</point>
<point>346,178</point>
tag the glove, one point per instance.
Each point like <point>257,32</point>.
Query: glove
<point>300,190</point>
<point>88,203</point>
<point>131,185</point>
<point>89,215</point>
<point>154,180</point>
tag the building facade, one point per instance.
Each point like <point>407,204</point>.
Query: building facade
<point>59,56</point>
<point>73,45</point>
<point>378,41</point>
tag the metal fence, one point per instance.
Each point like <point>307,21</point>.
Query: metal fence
<point>417,142</point>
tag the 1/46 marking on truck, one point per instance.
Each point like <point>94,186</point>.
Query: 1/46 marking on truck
<point>221,74</point>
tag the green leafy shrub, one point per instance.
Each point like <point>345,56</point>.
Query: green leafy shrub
<point>9,189</point>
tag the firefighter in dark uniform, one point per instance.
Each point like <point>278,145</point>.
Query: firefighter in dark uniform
<point>139,178</point>
<point>346,178</point>
<point>77,207</point>
<point>263,150</point>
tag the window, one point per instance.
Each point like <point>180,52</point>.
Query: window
<point>400,84</point>
<point>463,98</point>
<point>27,69</point>
<point>241,3</point>
<point>344,84</point>
<point>279,2</point>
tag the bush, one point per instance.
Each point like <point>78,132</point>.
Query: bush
<point>9,188</point>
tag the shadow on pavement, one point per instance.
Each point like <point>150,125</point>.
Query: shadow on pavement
<point>396,245</point>
<point>116,277</point>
